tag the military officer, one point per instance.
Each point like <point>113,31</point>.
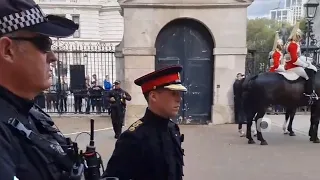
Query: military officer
<point>151,147</point>
<point>30,147</point>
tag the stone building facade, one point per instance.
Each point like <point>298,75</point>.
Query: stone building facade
<point>212,49</point>
<point>100,29</point>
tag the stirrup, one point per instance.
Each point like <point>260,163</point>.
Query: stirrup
<point>314,95</point>
<point>310,99</point>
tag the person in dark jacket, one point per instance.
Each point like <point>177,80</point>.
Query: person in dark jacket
<point>238,108</point>
<point>30,147</point>
<point>151,148</point>
<point>118,98</point>
<point>96,93</point>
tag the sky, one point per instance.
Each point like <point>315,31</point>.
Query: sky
<point>261,8</point>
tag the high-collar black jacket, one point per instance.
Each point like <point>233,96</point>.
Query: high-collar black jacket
<point>149,150</point>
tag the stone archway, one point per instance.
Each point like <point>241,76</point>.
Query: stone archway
<point>189,43</point>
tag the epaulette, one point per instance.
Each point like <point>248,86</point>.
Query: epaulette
<point>135,125</point>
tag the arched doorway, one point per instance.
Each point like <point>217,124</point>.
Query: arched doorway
<point>190,44</point>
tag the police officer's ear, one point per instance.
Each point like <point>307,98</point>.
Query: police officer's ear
<point>6,49</point>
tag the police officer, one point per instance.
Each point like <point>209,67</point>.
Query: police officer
<point>151,147</point>
<point>30,148</point>
<point>118,98</point>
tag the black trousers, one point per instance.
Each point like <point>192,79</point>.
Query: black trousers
<point>77,103</point>
<point>238,111</point>
<point>96,102</point>
<point>309,87</point>
<point>117,117</point>
<point>63,103</point>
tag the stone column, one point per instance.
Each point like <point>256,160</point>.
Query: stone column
<point>137,62</point>
<point>228,62</point>
<point>119,61</point>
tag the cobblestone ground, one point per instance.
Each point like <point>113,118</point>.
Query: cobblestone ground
<point>217,152</point>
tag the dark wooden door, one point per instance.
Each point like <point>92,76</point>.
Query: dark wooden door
<point>188,43</point>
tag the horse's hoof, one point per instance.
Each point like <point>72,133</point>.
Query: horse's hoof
<point>263,143</point>
<point>310,139</point>
<point>316,141</point>
<point>292,134</point>
<point>285,132</point>
<point>251,141</point>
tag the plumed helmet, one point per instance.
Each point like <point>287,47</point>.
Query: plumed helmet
<point>296,31</point>
<point>277,41</point>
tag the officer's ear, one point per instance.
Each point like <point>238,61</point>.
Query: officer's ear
<point>152,96</point>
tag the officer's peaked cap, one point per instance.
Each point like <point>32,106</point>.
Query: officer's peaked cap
<point>168,78</point>
<point>27,15</point>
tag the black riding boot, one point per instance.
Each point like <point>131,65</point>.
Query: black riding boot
<point>309,90</point>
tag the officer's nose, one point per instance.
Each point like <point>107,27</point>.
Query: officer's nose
<point>51,57</point>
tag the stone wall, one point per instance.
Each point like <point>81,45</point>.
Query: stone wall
<point>225,20</point>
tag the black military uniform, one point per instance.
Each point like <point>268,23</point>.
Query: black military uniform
<point>151,148</point>
<point>30,148</point>
<point>118,98</point>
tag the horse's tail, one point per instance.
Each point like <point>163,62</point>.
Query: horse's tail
<point>248,83</point>
<point>247,89</point>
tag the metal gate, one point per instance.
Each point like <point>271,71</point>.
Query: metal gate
<point>188,43</point>
<point>95,58</point>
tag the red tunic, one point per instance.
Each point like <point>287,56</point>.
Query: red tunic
<point>293,51</point>
<point>276,61</point>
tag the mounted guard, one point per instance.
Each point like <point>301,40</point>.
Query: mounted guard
<point>276,56</point>
<point>297,86</point>
<point>300,64</point>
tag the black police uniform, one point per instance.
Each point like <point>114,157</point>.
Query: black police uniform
<point>151,148</point>
<point>23,157</point>
<point>30,148</point>
<point>118,108</point>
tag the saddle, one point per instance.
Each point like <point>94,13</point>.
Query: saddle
<point>289,75</point>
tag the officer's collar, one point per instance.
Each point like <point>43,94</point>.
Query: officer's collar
<point>21,104</point>
<point>155,119</point>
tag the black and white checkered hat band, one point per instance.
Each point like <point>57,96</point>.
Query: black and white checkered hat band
<point>26,18</point>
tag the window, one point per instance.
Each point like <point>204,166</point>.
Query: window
<point>284,13</point>
<point>76,19</point>
<point>273,15</point>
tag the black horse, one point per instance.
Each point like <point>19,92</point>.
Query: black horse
<point>268,88</point>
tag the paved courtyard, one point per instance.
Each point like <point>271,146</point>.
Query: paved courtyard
<point>217,152</point>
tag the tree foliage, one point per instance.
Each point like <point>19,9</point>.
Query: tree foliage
<point>260,37</point>
<point>261,33</point>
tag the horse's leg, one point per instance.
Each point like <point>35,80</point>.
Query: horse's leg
<point>250,115</point>
<point>284,126</point>
<point>314,119</point>
<point>292,113</point>
<point>258,118</point>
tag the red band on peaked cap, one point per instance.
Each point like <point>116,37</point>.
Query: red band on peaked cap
<point>152,84</point>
